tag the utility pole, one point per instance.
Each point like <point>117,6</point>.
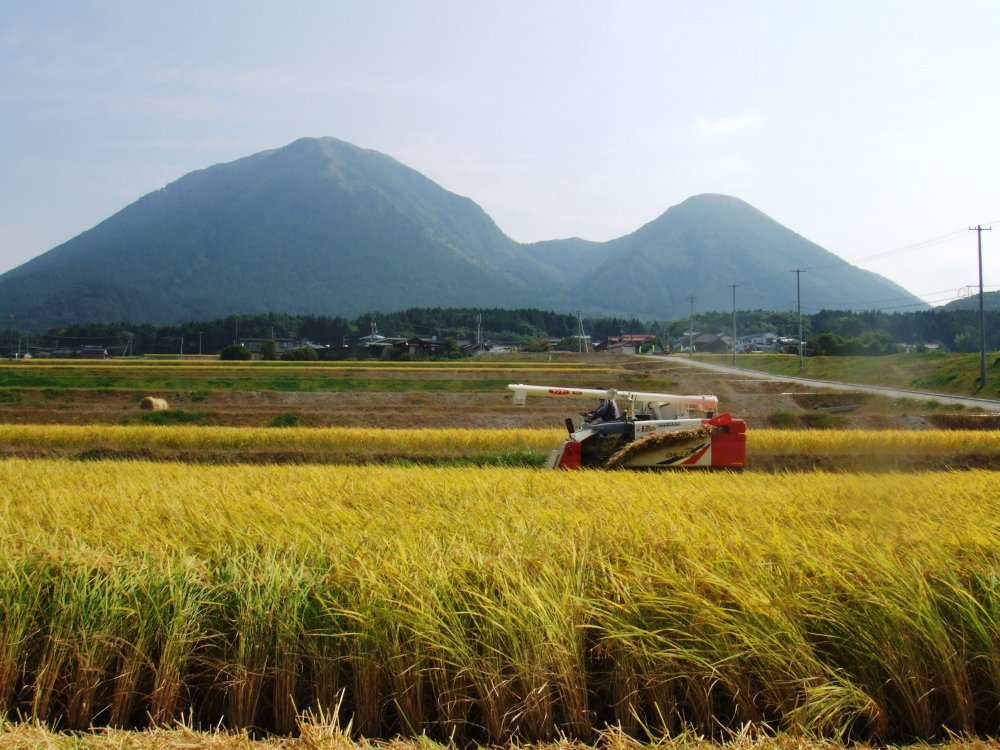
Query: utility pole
<point>798,305</point>
<point>734,322</point>
<point>979,229</point>
<point>691,329</point>
<point>583,341</point>
<point>199,343</point>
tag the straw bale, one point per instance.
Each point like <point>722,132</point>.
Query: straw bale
<point>152,403</point>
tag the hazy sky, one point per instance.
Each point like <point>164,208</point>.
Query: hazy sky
<point>869,127</point>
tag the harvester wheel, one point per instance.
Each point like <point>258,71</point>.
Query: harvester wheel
<point>677,441</point>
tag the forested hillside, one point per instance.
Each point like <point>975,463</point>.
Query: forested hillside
<point>322,227</point>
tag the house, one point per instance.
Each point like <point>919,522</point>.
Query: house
<point>93,351</point>
<point>710,342</point>
<point>759,342</point>
<point>931,347</point>
<point>473,349</point>
<point>631,343</point>
<point>258,346</point>
<point>405,347</point>
<point>87,351</point>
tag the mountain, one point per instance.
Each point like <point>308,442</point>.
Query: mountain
<point>991,301</point>
<point>324,227</point>
<point>706,244</point>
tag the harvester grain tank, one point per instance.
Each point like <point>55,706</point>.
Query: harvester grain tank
<point>656,430</point>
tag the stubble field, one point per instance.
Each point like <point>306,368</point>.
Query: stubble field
<point>426,580</point>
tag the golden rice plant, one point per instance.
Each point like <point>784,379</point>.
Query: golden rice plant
<point>873,442</point>
<point>496,604</point>
<point>346,444</point>
<point>328,733</point>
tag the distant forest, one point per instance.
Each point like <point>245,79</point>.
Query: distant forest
<point>828,332</point>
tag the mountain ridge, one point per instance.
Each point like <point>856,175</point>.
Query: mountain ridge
<point>324,227</point>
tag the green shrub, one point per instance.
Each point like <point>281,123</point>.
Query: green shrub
<point>783,420</point>
<point>301,354</point>
<point>820,420</point>
<point>235,352</point>
<point>287,419</point>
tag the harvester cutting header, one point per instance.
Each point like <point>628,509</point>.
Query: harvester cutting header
<point>654,430</point>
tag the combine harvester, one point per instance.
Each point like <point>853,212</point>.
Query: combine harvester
<point>655,431</point>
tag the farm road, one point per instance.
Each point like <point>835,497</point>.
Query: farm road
<point>982,403</point>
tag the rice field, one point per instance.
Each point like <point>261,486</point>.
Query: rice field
<point>345,443</point>
<point>189,586</point>
<point>214,374</point>
<point>768,449</point>
<point>492,605</point>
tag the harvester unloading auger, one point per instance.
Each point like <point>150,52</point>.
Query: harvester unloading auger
<point>655,430</point>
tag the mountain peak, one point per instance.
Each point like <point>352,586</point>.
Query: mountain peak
<point>321,226</point>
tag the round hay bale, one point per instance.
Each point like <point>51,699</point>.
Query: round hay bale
<point>152,403</point>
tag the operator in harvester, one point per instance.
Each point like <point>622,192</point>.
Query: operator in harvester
<point>606,411</point>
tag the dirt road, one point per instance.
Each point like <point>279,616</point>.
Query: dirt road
<point>895,393</point>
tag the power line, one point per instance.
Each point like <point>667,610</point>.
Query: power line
<point>910,248</point>
<point>931,298</point>
<point>913,247</point>
<point>919,245</point>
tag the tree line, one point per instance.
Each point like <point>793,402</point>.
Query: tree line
<point>839,332</point>
<point>827,332</point>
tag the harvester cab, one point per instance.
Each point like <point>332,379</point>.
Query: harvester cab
<point>656,430</point>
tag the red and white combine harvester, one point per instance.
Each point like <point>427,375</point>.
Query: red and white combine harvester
<point>649,430</point>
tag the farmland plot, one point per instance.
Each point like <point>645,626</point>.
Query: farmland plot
<point>771,450</point>
<point>491,604</point>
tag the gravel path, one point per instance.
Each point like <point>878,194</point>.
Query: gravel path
<point>982,403</point>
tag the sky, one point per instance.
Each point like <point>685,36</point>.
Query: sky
<point>870,127</point>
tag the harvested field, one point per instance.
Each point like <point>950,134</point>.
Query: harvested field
<point>392,395</point>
